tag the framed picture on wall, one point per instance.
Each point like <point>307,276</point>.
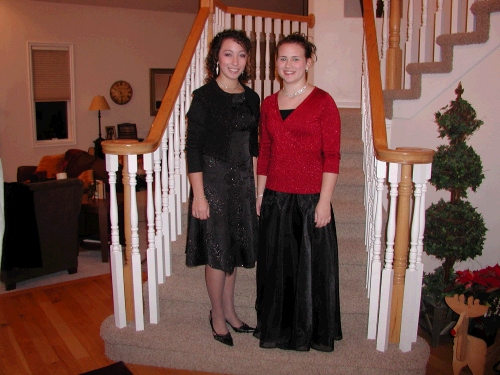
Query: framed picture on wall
<point>110,132</point>
<point>159,79</point>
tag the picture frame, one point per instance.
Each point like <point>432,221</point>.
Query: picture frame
<point>110,132</point>
<point>159,79</point>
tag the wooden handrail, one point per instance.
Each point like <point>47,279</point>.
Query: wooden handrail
<point>407,155</point>
<point>265,14</point>
<point>153,140</point>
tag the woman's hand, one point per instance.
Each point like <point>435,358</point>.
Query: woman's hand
<point>259,203</point>
<point>322,214</point>
<point>200,208</point>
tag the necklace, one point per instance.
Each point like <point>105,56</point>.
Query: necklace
<point>227,88</point>
<point>296,92</point>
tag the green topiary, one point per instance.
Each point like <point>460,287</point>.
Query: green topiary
<point>454,230</point>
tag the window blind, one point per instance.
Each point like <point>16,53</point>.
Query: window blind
<point>51,75</point>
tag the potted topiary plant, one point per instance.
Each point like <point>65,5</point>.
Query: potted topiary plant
<point>454,230</point>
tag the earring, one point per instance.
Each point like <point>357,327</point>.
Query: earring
<point>307,70</point>
<point>217,69</point>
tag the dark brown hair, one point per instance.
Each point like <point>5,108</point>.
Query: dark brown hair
<point>301,40</point>
<point>213,53</point>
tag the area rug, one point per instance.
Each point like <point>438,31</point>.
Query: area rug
<point>118,368</point>
<point>89,264</point>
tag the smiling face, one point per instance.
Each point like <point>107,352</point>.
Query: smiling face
<point>232,60</point>
<point>291,63</point>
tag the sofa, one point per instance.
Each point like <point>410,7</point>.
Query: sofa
<point>41,229</point>
<point>75,163</point>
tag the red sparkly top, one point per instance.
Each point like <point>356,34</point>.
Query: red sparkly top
<point>296,151</point>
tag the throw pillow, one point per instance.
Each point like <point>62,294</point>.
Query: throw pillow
<point>77,161</point>
<point>51,164</point>
<point>87,177</point>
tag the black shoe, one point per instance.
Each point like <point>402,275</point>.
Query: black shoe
<point>244,328</point>
<point>225,339</point>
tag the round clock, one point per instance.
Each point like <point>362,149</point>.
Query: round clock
<point>121,92</point>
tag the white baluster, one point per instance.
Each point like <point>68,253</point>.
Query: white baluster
<point>438,29</point>
<point>277,32</point>
<point>388,272</point>
<point>258,31</point>
<point>385,41</point>
<point>408,44</point>
<point>166,221</point>
<point>227,21</point>
<point>238,22</point>
<point>177,167</point>
<point>295,26</point>
<point>154,299</point>
<point>455,14</point>
<point>304,29</point>
<point>162,238</point>
<point>267,71</point>
<point>116,257</point>
<point>182,131</point>
<point>376,263</point>
<point>136,255</point>
<point>286,27</point>
<point>423,46</point>
<point>471,26</point>
<point>171,180</point>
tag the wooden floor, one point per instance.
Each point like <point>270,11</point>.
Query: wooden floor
<point>55,330</point>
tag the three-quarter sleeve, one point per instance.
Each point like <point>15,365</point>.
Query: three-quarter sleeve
<point>196,115</point>
<point>330,136</point>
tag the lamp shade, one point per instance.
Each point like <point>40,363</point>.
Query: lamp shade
<point>99,103</point>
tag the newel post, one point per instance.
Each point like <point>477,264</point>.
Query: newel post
<point>394,52</point>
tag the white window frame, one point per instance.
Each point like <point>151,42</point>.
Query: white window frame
<point>71,140</point>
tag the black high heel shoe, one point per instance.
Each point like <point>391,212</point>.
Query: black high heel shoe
<point>225,339</point>
<point>244,328</point>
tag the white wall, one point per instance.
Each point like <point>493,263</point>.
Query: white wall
<point>110,44</point>
<point>482,90</point>
<point>339,41</point>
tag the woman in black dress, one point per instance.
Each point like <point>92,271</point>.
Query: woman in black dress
<point>222,150</point>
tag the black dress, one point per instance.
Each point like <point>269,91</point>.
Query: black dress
<point>229,237</point>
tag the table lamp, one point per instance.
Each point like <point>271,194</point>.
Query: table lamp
<point>99,104</point>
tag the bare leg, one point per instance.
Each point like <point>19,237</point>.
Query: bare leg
<point>215,280</point>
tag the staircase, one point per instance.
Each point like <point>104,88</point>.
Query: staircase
<point>183,339</point>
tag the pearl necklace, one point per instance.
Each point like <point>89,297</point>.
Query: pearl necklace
<point>227,88</point>
<point>296,92</point>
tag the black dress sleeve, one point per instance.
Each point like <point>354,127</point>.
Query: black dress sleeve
<point>254,101</point>
<point>197,117</point>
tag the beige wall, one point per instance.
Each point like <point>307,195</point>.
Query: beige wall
<point>110,44</point>
<point>339,41</point>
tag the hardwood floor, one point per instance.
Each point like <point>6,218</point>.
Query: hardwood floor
<point>55,330</point>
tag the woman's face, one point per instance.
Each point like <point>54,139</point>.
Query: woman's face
<point>232,59</point>
<point>291,63</point>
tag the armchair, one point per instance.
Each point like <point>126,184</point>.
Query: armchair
<point>41,229</point>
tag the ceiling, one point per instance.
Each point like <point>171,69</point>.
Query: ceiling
<point>178,6</point>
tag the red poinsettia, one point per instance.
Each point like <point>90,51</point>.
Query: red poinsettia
<point>482,284</point>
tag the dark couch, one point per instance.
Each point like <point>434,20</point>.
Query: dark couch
<point>41,229</point>
<point>75,162</point>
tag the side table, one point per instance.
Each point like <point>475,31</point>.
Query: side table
<point>101,208</point>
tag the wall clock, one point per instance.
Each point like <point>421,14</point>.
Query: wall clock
<point>121,92</point>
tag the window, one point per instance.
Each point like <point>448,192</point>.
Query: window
<point>52,94</point>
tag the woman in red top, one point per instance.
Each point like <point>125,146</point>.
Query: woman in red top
<point>298,304</point>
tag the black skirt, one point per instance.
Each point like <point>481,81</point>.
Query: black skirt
<point>298,304</point>
<point>229,237</point>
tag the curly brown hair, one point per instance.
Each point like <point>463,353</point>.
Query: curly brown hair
<point>239,37</point>
<point>300,39</point>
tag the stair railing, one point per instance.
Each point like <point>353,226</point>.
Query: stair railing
<point>393,283</point>
<point>164,160</point>
<point>411,30</point>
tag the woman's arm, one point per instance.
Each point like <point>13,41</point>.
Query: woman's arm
<point>261,186</point>
<point>323,214</point>
<point>199,208</point>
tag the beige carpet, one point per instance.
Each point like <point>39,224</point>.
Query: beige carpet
<point>183,340</point>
